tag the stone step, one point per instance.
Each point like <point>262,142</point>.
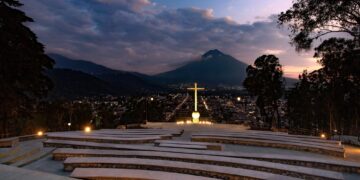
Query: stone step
<point>19,156</point>
<point>144,131</point>
<point>162,136</point>
<point>11,172</point>
<point>275,135</point>
<point>206,170</point>
<point>274,138</point>
<point>42,153</point>
<point>210,146</point>
<point>185,146</point>
<point>114,135</point>
<point>311,138</point>
<point>112,173</point>
<point>328,164</point>
<point>276,168</point>
<point>9,142</point>
<point>298,137</point>
<point>275,144</point>
<point>135,140</point>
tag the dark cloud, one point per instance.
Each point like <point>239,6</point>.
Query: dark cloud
<point>138,35</point>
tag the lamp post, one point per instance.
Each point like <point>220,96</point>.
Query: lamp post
<point>146,108</point>
<point>69,125</point>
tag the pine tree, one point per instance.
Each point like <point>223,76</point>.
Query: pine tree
<point>22,65</point>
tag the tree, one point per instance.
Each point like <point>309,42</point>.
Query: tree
<point>22,65</point>
<point>309,20</point>
<point>328,98</point>
<point>265,81</point>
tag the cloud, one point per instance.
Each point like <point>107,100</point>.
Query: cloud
<point>139,35</point>
<point>274,51</point>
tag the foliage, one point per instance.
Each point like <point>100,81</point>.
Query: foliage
<point>309,20</point>
<point>265,81</point>
<point>22,66</point>
<point>328,99</point>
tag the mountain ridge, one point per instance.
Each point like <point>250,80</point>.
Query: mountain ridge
<point>214,68</point>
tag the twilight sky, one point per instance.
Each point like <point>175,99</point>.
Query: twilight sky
<point>152,36</point>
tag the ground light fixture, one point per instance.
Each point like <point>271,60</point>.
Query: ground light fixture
<point>87,129</point>
<point>40,133</point>
<point>323,135</point>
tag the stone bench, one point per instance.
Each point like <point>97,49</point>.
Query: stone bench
<point>275,144</point>
<point>295,137</point>
<point>97,134</point>
<point>162,136</point>
<point>112,173</point>
<point>206,170</point>
<point>274,135</point>
<point>89,138</point>
<point>276,168</point>
<point>185,146</point>
<point>9,142</point>
<point>143,131</point>
<point>328,164</point>
<point>210,146</point>
<point>274,138</point>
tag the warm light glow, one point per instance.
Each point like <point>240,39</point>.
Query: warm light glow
<point>195,117</point>
<point>180,122</point>
<point>87,129</point>
<point>69,124</point>
<point>238,98</point>
<point>40,133</point>
<point>151,99</point>
<point>205,122</point>
<point>188,122</point>
<point>323,135</point>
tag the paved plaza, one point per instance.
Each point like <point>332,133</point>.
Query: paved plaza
<point>179,151</point>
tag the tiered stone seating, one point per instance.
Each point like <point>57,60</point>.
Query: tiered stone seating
<point>272,141</point>
<point>162,136</point>
<point>209,146</point>
<point>112,173</point>
<point>174,132</point>
<point>9,142</point>
<point>186,146</point>
<point>312,141</point>
<point>206,170</point>
<point>103,139</point>
<point>328,164</point>
<point>275,168</point>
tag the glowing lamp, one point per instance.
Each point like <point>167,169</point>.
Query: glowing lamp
<point>87,129</point>
<point>151,99</point>
<point>238,98</point>
<point>323,135</point>
<point>69,124</point>
<point>40,133</point>
<point>195,117</point>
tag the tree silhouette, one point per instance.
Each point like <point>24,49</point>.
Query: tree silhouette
<point>309,20</point>
<point>22,65</point>
<point>329,99</point>
<point>265,81</point>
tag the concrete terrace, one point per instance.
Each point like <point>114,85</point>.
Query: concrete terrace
<point>166,150</point>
